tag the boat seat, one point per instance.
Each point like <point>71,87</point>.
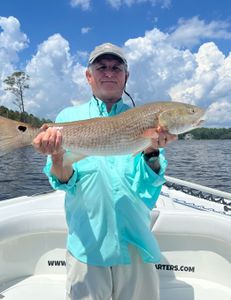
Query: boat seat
<point>193,289</point>
<point>38,287</point>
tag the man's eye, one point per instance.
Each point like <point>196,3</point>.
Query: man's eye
<point>116,69</point>
<point>101,68</point>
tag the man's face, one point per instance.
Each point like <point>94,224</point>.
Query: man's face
<point>107,78</point>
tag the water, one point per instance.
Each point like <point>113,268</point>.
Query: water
<point>21,174</point>
<point>207,162</point>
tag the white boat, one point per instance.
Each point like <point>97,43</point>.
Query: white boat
<point>193,233</point>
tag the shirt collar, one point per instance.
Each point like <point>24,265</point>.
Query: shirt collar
<point>101,106</point>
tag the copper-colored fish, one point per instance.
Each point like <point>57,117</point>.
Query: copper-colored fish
<point>117,135</point>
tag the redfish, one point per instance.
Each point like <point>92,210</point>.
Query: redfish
<point>118,135</point>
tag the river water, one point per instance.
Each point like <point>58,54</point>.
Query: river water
<point>207,162</point>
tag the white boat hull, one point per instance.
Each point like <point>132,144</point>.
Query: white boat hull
<point>196,249</point>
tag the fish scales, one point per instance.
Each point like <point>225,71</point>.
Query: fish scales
<point>115,135</point>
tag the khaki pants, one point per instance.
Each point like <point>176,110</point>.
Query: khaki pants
<point>138,281</point>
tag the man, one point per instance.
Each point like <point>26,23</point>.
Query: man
<point>110,249</point>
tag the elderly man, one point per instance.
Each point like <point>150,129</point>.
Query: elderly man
<point>110,248</point>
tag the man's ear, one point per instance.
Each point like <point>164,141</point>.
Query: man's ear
<point>126,78</point>
<point>88,75</point>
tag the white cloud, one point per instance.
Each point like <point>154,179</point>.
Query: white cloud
<point>82,55</point>
<point>85,30</point>
<point>156,66</point>
<point>84,4</point>
<point>12,41</point>
<point>11,37</point>
<point>209,84</point>
<point>55,77</point>
<point>191,32</point>
<point>220,112</point>
<point>56,80</point>
<point>118,3</point>
<point>158,71</point>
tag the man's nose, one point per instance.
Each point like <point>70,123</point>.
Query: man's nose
<point>109,72</point>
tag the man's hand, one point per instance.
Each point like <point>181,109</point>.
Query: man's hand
<point>160,138</point>
<point>49,142</point>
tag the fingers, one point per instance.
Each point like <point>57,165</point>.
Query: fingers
<point>165,138</point>
<point>44,127</point>
<point>49,141</point>
<point>160,138</point>
<point>151,133</point>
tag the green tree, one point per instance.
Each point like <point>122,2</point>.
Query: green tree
<point>209,133</point>
<point>17,83</point>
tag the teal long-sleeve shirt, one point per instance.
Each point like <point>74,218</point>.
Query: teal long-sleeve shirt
<point>108,199</point>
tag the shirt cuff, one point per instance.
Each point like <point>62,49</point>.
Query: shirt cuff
<point>56,184</point>
<point>156,179</point>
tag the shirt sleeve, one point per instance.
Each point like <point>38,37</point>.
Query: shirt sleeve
<point>54,181</point>
<point>147,184</point>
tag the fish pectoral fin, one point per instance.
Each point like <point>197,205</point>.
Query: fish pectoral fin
<point>136,153</point>
<point>150,134</point>
<point>140,151</point>
<point>149,144</point>
<point>71,157</point>
<point>165,117</point>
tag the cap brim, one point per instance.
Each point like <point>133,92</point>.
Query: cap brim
<point>109,53</point>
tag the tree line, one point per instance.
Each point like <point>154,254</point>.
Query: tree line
<point>209,134</point>
<point>22,117</point>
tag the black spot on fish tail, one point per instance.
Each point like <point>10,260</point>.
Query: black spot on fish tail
<point>22,128</point>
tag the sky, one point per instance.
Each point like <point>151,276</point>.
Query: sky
<point>177,50</point>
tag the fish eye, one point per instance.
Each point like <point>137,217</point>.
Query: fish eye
<point>22,128</point>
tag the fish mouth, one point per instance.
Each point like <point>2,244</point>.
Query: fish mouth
<point>198,123</point>
<point>200,120</point>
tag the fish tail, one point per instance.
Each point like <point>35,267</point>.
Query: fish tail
<point>13,135</point>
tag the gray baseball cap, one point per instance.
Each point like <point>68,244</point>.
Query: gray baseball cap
<point>107,48</point>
